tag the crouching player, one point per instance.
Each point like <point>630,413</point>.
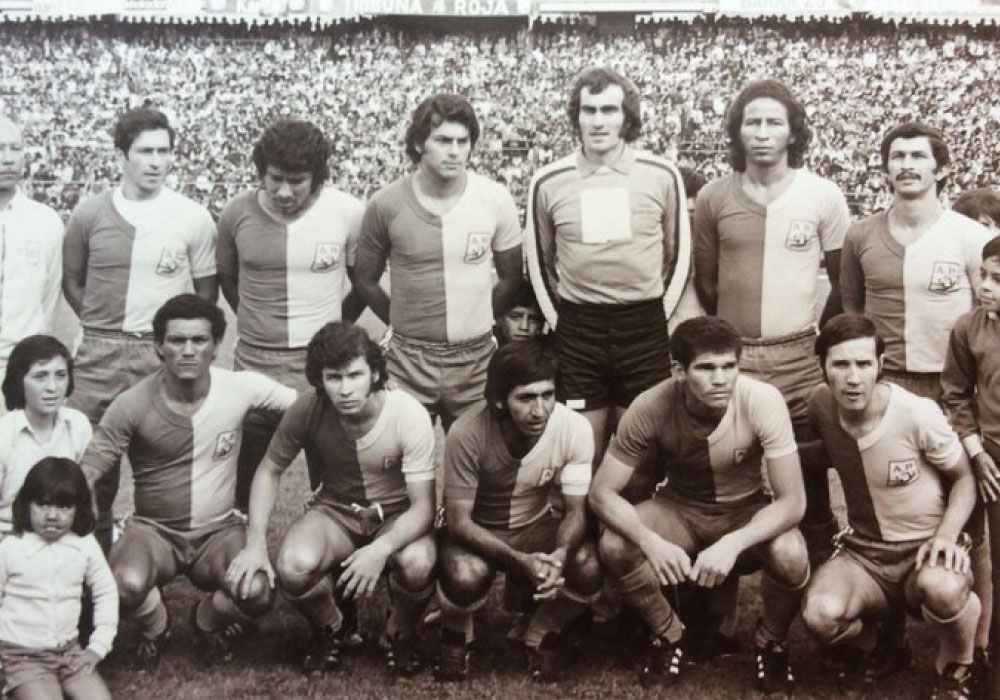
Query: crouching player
<point>909,491</point>
<point>501,461</point>
<point>373,449</point>
<point>180,427</point>
<point>712,427</point>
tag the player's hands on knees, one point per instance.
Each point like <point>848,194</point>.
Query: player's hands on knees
<point>940,551</point>
<point>550,577</point>
<point>987,476</point>
<point>670,562</point>
<point>363,568</point>
<point>243,568</point>
<point>84,660</point>
<point>714,563</point>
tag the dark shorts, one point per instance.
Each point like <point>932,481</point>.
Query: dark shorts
<point>361,525</point>
<point>26,665</point>
<point>610,353</point>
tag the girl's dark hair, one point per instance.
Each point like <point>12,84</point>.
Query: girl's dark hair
<point>55,481</point>
<point>34,348</point>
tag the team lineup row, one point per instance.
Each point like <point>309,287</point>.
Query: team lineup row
<point>612,259</point>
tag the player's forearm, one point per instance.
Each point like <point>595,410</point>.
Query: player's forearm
<point>618,514</point>
<point>263,494</point>
<point>571,531</point>
<point>230,290</point>
<point>374,296</point>
<point>352,306</point>
<point>483,542</point>
<point>961,500</point>
<point>832,307</point>
<point>73,291</point>
<point>207,288</point>
<point>409,527</point>
<point>778,517</point>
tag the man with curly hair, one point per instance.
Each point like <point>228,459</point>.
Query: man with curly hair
<point>285,257</point>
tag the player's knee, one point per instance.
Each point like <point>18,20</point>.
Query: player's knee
<point>258,599</point>
<point>415,563</point>
<point>464,579</point>
<point>823,614</point>
<point>133,587</point>
<point>789,558</point>
<point>297,568</point>
<point>943,592</point>
<point>617,554</point>
<point>583,571</point>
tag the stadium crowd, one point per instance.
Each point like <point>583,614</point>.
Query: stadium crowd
<point>223,83</point>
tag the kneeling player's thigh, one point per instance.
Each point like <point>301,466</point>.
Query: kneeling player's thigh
<point>315,542</point>
<point>211,560</point>
<point>142,558</point>
<point>843,578</point>
<point>667,519</point>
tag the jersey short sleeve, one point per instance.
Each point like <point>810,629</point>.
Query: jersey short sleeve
<point>417,439</point>
<point>290,437</point>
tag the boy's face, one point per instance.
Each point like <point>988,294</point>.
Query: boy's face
<point>989,284</point>
<point>521,323</point>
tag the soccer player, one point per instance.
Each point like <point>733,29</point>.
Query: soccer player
<point>443,230</point>
<point>608,250</point>
<point>180,427</point>
<point>971,395</point>
<point>31,264</point>
<point>761,235</point>
<point>523,320</point>
<point>285,257</point>
<point>126,252</point>
<point>712,426</point>
<point>909,491</point>
<point>502,461</point>
<point>911,268</point>
<point>374,509</point>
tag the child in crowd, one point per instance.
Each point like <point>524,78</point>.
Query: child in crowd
<point>39,378</point>
<point>44,566</point>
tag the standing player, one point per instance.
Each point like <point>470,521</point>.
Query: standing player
<point>713,427</point>
<point>908,491</point>
<point>440,228</point>
<point>502,460</point>
<point>608,249</point>
<point>910,268</point>
<point>181,430</point>
<point>374,451</point>
<point>760,237</point>
<point>125,253</point>
<point>31,236</point>
<point>285,255</point>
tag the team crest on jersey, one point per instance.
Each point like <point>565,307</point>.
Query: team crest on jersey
<point>546,476</point>
<point>800,235</point>
<point>31,251</point>
<point>390,463</point>
<point>170,262</point>
<point>225,443</point>
<point>945,277</point>
<point>326,257</point>
<point>476,248</point>
<point>903,472</point>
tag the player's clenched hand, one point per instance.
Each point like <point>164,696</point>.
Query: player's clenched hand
<point>939,551</point>
<point>987,476</point>
<point>362,569</point>
<point>243,568</point>
<point>84,661</point>
<point>670,563</point>
<point>714,563</point>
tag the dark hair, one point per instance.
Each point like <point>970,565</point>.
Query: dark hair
<point>844,327</point>
<point>912,130</point>
<point>524,296</point>
<point>188,306</point>
<point>597,80</point>
<point>517,363</point>
<point>34,348</point>
<point>294,146</point>
<point>434,111</point>
<point>336,345</point>
<point>54,481</point>
<point>775,90</point>
<point>136,121</point>
<point>982,201</point>
<point>702,334</point>
<point>992,248</point>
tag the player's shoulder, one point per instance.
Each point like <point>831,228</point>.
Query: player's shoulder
<point>402,406</point>
<point>39,212</point>
<point>658,397</point>
<point>177,203</point>
<point>867,226</point>
<point>911,407</point>
<point>716,189</point>
<point>90,207</point>
<point>472,422</point>
<point>77,419</point>
<point>336,199</point>
<point>139,394</point>
<point>550,174</point>
<point>239,205</point>
<point>392,195</point>
<point>568,420</point>
<point>953,223</point>
<point>751,390</point>
<point>655,162</point>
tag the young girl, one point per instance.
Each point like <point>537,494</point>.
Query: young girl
<point>44,566</point>
<point>39,378</point>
